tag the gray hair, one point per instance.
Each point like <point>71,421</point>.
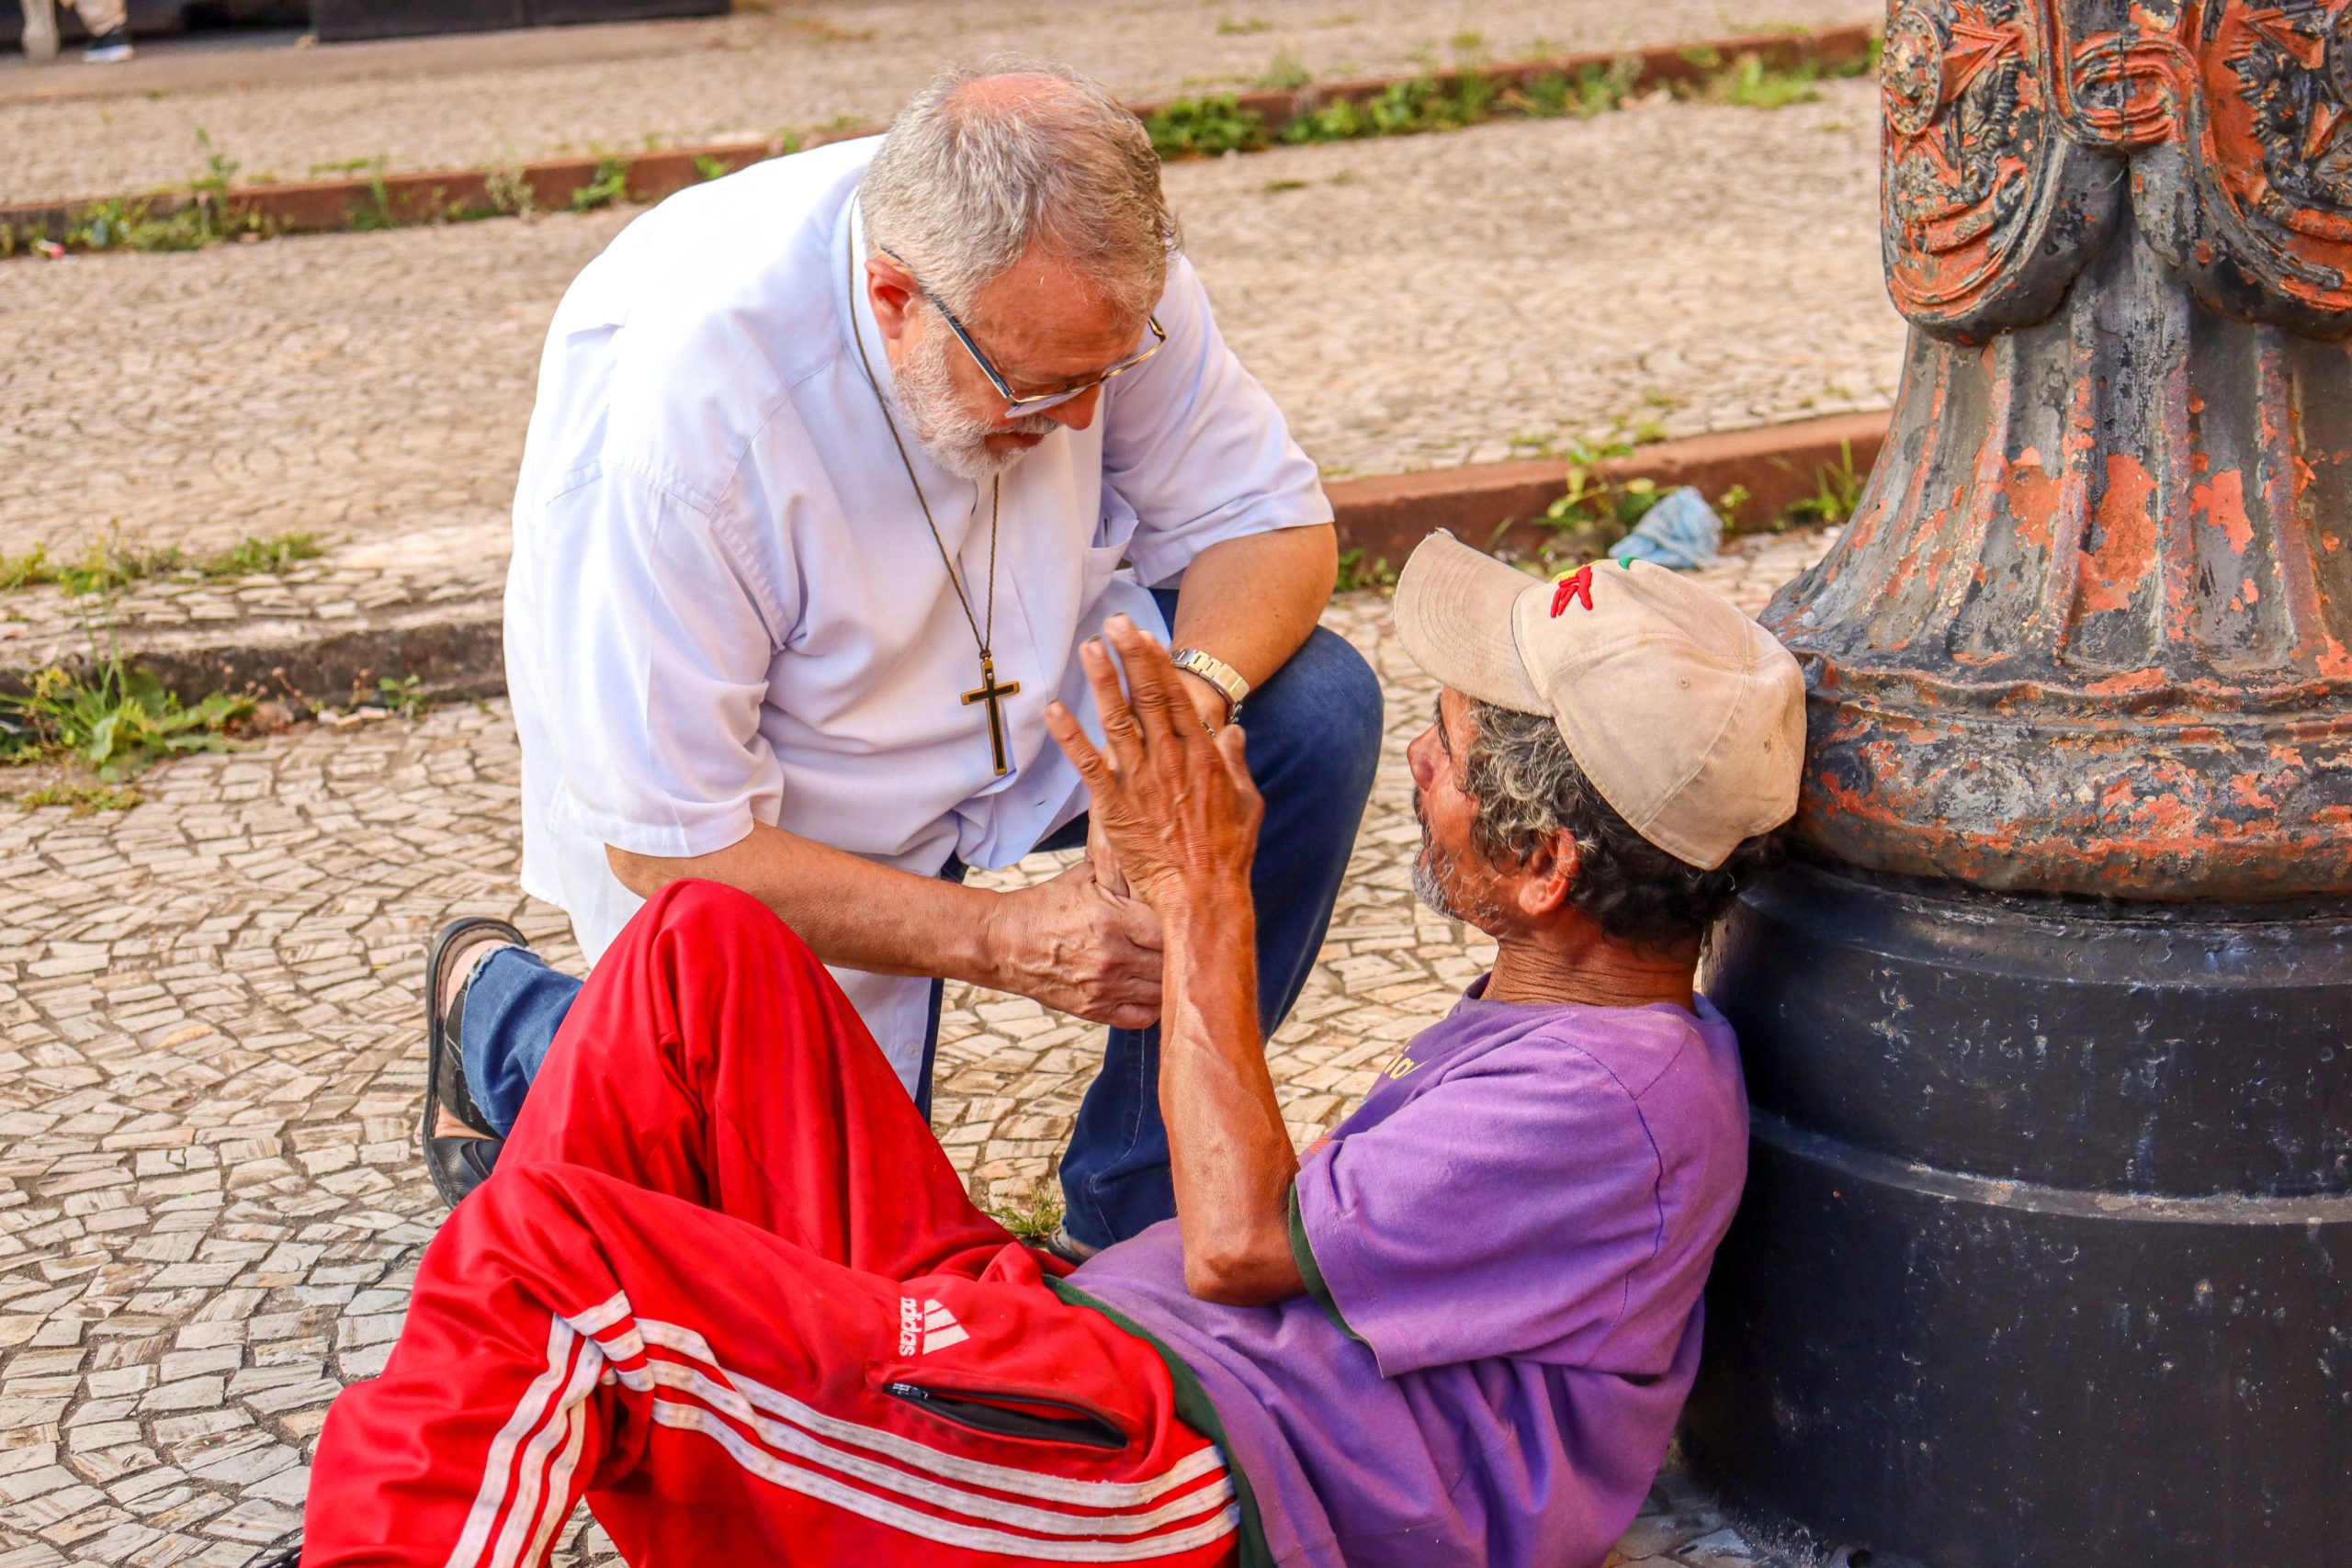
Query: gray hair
<point>969,177</point>
<point>1527,786</point>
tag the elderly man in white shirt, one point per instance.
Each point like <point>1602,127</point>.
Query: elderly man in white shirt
<point>835,463</point>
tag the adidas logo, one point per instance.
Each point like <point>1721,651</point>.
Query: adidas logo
<point>928,1327</point>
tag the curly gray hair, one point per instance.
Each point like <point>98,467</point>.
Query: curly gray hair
<point>1527,787</point>
<point>969,176</point>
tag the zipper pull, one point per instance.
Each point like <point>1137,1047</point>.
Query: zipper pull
<point>907,1390</point>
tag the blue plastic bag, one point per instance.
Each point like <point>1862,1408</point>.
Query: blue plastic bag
<point>1681,531</point>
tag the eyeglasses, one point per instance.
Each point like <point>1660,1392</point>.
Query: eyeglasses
<point>1014,403</point>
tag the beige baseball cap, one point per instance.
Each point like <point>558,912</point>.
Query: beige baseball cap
<point>1686,715</point>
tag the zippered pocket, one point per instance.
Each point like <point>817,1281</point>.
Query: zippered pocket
<point>1013,1415</point>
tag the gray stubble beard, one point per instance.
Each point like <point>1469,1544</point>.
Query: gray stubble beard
<point>1434,869</point>
<point>957,441</point>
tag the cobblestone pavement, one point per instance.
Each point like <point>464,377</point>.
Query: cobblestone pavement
<point>768,69</point>
<point>210,1202</point>
<point>1410,303</point>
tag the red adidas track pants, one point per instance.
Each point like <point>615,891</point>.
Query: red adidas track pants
<point>725,1283</point>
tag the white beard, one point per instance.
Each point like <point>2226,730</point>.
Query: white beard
<point>957,441</point>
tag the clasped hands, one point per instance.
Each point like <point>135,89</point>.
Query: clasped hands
<point>1172,832</point>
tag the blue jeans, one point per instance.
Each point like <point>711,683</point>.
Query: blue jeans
<point>1315,729</point>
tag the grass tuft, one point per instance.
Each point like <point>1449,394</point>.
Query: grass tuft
<point>1205,128</point>
<point>403,696</point>
<point>1033,1216</point>
<point>1356,572</point>
<point>117,722</point>
<point>80,798</point>
<point>608,184</point>
<point>108,565</point>
<point>1836,493</point>
<point>252,556</point>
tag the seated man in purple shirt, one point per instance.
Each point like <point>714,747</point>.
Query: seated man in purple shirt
<point>1457,1331</point>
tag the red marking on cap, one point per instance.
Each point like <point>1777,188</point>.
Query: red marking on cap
<point>1577,586</point>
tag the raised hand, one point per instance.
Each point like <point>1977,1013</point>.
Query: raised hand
<point>1176,804</point>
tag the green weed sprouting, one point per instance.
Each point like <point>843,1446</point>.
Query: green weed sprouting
<point>1033,1216</point>
<point>1356,572</point>
<point>376,213</point>
<point>404,696</point>
<point>1205,128</point>
<point>80,798</point>
<point>116,722</point>
<point>1286,73</point>
<point>607,185</point>
<point>252,556</point>
<point>1836,493</point>
<point>108,565</point>
<point>508,191</point>
<point>1752,84</point>
<point>201,218</point>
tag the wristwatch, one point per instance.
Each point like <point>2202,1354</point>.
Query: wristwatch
<point>1217,673</point>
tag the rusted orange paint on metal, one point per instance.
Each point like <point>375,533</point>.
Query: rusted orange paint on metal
<point>2220,502</point>
<point>2033,497</point>
<point>2116,567</point>
<point>2099,648</point>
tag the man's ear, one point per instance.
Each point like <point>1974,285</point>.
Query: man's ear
<point>1547,875</point>
<point>890,289</point>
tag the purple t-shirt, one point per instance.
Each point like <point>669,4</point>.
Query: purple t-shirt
<point>1504,1248</point>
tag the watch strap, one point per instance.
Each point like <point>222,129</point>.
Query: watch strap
<point>1217,673</point>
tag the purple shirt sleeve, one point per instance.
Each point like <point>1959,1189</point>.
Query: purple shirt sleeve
<point>1501,1212</point>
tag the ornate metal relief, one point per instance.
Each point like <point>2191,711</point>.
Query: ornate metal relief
<point>2091,627</point>
<point>2274,160</point>
<point>2014,130</point>
<point>1987,210</point>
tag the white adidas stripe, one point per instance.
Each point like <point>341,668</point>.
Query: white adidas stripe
<point>556,1504</point>
<point>536,1489</point>
<point>601,1316</point>
<point>791,1442</point>
<point>552,1440</point>
<point>978,1538</point>
<point>954,1467</point>
<point>492,1495</point>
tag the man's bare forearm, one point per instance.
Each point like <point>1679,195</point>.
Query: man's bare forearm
<point>848,909</point>
<point>1229,1154</point>
<point>1252,600</point>
<point>1068,941</point>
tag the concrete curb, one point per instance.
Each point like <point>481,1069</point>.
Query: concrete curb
<point>1494,504</point>
<point>455,647</point>
<point>433,196</point>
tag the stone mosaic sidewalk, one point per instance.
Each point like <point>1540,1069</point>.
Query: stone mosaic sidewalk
<point>771,67</point>
<point>209,1201</point>
<point>1411,304</point>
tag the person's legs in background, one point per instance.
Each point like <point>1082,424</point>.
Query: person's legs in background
<point>515,1004</point>
<point>40,36</point>
<point>1314,730</point>
<point>108,22</point>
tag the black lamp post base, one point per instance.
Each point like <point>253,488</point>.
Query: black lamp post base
<point>2046,1254</point>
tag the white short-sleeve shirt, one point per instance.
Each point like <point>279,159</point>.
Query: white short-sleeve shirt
<point>725,607</point>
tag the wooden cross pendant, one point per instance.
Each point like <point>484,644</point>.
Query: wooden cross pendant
<point>994,696</point>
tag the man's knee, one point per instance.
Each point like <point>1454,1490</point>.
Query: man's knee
<point>1321,712</point>
<point>717,918</point>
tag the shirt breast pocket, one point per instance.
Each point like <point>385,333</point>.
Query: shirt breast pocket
<point>1111,537</point>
